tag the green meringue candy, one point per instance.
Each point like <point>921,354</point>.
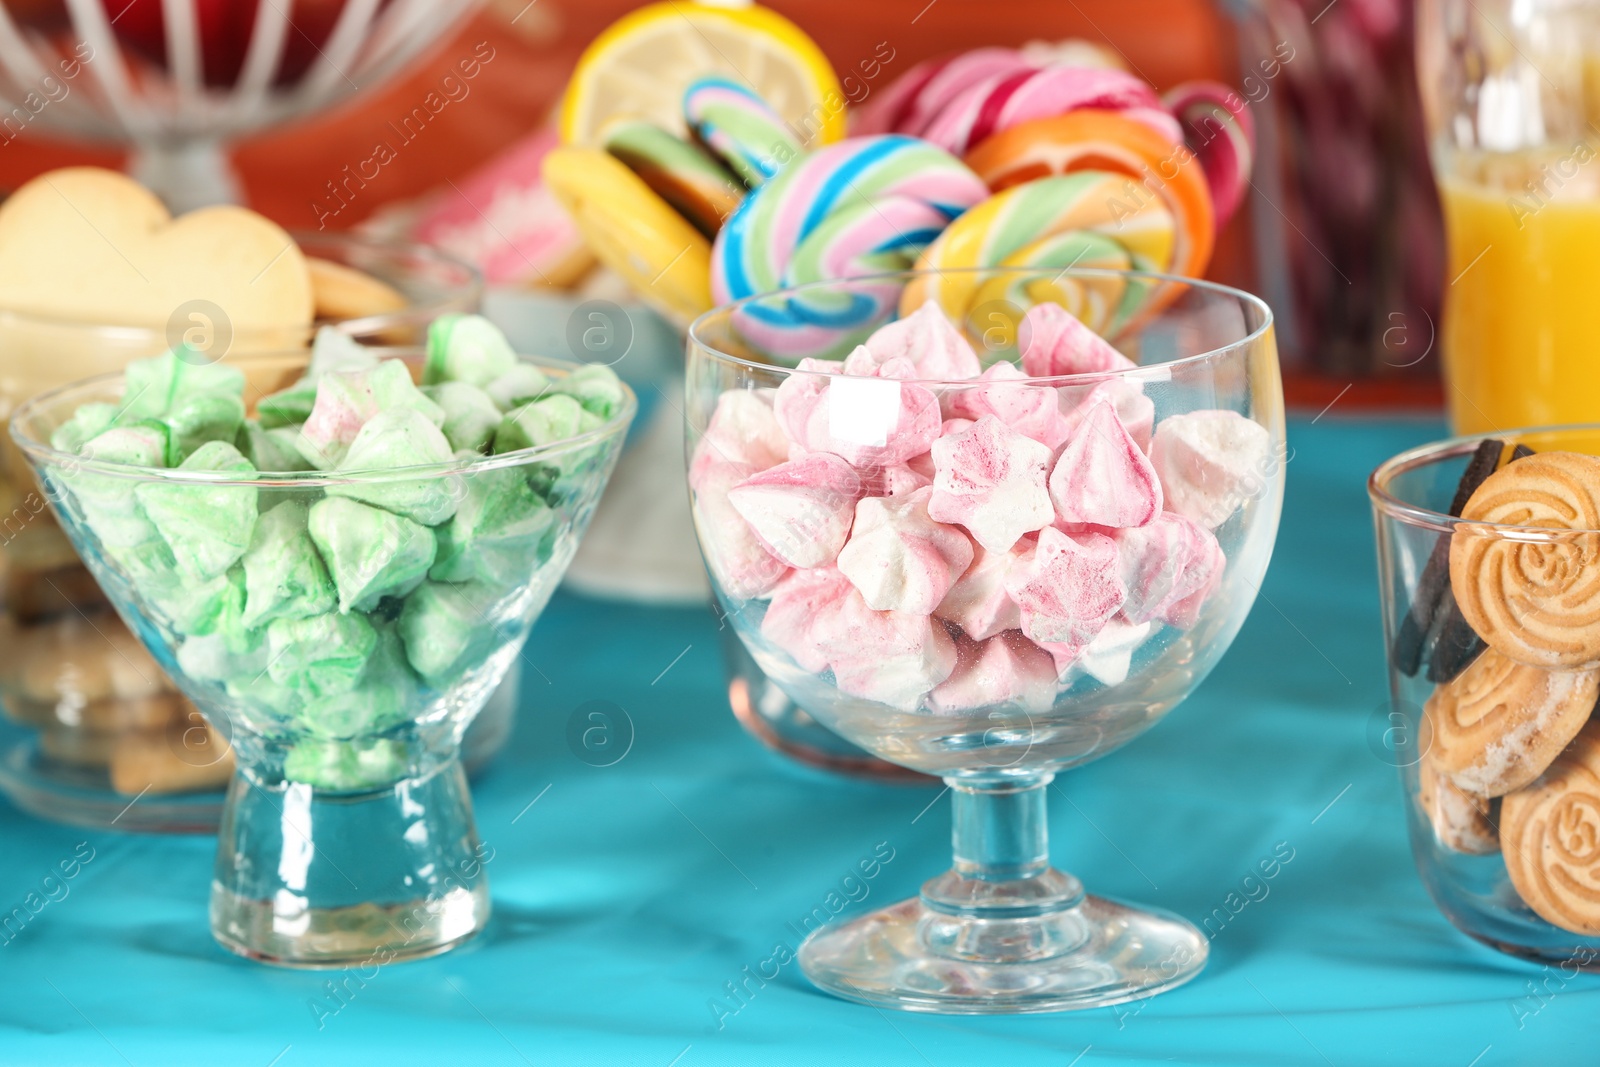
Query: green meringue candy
<point>320,656</point>
<point>499,533</point>
<point>211,607</point>
<point>272,449</point>
<point>345,766</point>
<point>518,386</point>
<point>157,387</point>
<point>470,416</point>
<point>109,503</point>
<point>219,658</point>
<point>595,386</point>
<point>199,420</point>
<point>89,421</point>
<point>208,527</point>
<point>386,695</point>
<point>402,438</point>
<point>349,400</point>
<point>447,628</point>
<point>332,350</point>
<point>284,577</point>
<point>466,348</point>
<point>543,422</point>
<point>372,553</point>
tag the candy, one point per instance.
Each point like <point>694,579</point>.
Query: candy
<point>382,698</point>
<point>991,481</point>
<point>1068,588</point>
<point>1168,568</point>
<point>899,558</point>
<point>156,387</point>
<point>371,553</point>
<point>207,526</point>
<point>88,421</point>
<point>401,437</point>
<point>1054,342</point>
<point>215,606</point>
<point>893,657</point>
<point>340,766</point>
<point>347,400</point>
<point>466,348</point>
<point>926,338</point>
<point>869,422</point>
<point>543,422</point>
<point>801,604</point>
<point>737,559</point>
<point>499,534</point>
<point>214,658</point>
<point>919,95</point>
<point>447,627</point>
<point>272,450</point>
<point>1031,410</point>
<point>331,350</point>
<point>1085,219</point>
<point>683,174</point>
<point>594,386</point>
<point>1218,128</point>
<point>1210,462</point>
<point>319,656</point>
<point>284,578</point>
<point>742,429</point>
<point>1135,411</point>
<point>198,420</point>
<point>518,386</point>
<point>801,510</point>
<point>1007,669</point>
<point>1109,657</point>
<point>470,416</point>
<point>979,602</point>
<point>1002,101</point>
<point>741,128</point>
<point>1153,166</point>
<point>1102,477</point>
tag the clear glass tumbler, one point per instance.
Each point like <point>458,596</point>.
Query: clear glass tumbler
<point>960,692</point>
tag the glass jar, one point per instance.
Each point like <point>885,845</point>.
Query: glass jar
<point>1511,89</point>
<point>94,732</point>
<point>1495,753</point>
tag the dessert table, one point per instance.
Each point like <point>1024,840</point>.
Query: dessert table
<point>640,905</point>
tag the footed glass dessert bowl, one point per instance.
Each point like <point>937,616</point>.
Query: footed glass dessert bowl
<point>980,540</point>
<point>337,567</point>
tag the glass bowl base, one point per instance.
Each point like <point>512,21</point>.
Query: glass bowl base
<point>82,796</point>
<point>362,935</point>
<point>1120,953</point>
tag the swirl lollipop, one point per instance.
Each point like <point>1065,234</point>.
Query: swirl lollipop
<point>1217,127</point>
<point>1534,600</point>
<point>739,127</point>
<point>1084,219</point>
<point>1550,837</point>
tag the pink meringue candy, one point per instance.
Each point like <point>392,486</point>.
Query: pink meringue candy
<point>1067,590</point>
<point>1135,411</point>
<point>978,602</point>
<point>1102,476</point>
<point>893,657</point>
<point>1210,463</point>
<point>1054,342</point>
<point>930,342</point>
<point>1109,657</point>
<point>1031,410</point>
<point>867,421</point>
<point>1169,568</point>
<point>736,556</point>
<point>899,558</point>
<point>743,429</point>
<point>801,510</point>
<point>991,481</point>
<point>1006,669</point>
<point>802,604</point>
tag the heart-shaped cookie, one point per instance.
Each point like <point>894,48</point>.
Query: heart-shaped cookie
<point>91,245</point>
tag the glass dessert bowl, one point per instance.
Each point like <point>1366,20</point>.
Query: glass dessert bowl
<point>1489,571</point>
<point>89,708</point>
<point>990,574</point>
<point>342,626</point>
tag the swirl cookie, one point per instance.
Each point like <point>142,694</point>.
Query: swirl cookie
<point>1537,602</point>
<point>1550,836</point>
<point>1500,723</point>
<point>1461,822</point>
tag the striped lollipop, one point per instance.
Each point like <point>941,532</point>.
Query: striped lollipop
<point>1219,130</point>
<point>1083,219</point>
<point>1092,139</point>
<point>918,96</point>
<point>739,127</point>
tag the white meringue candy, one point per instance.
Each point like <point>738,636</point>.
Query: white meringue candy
<point>899,558</point>
<point>1210,463</point>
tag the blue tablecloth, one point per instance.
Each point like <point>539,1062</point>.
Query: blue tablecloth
<point>627,897</point>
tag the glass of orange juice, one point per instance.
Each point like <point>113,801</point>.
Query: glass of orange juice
<point>1511,91</point>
